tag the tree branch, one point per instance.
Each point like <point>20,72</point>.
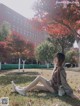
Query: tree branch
<point>71,29</point>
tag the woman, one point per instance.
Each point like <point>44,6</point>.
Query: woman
<point>57,81</point>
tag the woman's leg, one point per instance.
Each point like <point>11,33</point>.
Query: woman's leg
<point>36,81</point>
<point>39,87</point>
<point>33,85</point>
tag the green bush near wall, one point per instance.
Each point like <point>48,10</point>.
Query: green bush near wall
<point>15,66</point>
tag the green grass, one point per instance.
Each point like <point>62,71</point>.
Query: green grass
<point>37,98</point>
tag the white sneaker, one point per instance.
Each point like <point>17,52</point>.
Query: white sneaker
<point>13,86</point>
<point>18,89</point>
<point>21,91</point>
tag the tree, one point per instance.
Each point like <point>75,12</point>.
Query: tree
<point>3,51</point>
<point>57,20</point>
<point>14,47</point>
<point>72,56</point>
<point>19,47</point>
<point>62,44</point>
<point>45,52</point>
<point>4,30</point>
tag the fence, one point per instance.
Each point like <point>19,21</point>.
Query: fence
<point>15,66</point>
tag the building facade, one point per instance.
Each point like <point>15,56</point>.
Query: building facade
<point>21,25</point>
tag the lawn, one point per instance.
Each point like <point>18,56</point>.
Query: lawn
<point>37,98</point>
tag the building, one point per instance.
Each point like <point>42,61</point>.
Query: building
<point>21,25</point>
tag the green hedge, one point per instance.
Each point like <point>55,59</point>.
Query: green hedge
<point>15,66</point>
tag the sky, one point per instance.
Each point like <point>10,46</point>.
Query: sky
<point>24,7</point>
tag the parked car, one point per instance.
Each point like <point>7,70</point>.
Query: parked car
<point>68,65</point>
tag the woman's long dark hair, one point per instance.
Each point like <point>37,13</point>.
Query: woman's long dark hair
<point>61,58</point>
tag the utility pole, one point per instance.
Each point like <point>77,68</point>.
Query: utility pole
<point>0,65</point>
<point>19,64</point>
<point>23,64</point>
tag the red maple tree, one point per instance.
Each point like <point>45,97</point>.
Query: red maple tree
<point>57,20</point>
<point>15,47</point>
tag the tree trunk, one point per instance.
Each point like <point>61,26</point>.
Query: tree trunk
<point>62,45</point>
<point>63,49</point>
<point>79,52</point>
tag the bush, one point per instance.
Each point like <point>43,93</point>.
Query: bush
<point>72,56</point>
<point>45,52</point>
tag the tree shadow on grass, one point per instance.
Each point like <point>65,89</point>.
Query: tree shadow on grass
<point>47,95</point>
<point>68,100</point>
<point>18,79</point>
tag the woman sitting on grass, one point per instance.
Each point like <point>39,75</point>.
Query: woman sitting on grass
<point>57,83</point>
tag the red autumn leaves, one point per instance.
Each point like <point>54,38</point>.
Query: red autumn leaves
<point>56,20</point>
